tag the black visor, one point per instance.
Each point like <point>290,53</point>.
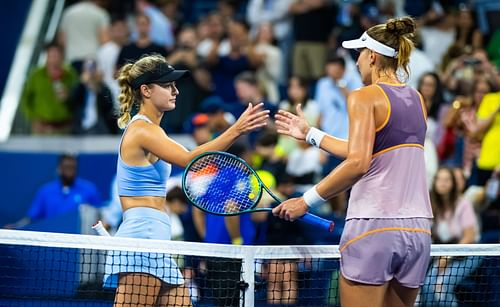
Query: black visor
<point>163,73</point>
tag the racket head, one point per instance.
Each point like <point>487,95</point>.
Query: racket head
<point>221,183</point>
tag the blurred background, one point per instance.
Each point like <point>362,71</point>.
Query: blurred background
<point>59,97</point>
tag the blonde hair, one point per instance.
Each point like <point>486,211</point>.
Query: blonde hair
<point>128,96</point>
<point>397,33</point>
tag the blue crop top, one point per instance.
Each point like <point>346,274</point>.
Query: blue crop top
<point>148,180</point>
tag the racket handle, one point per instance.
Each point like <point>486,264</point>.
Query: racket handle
<point>320,222</point>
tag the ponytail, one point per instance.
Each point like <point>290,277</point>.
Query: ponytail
<point>126,97</point>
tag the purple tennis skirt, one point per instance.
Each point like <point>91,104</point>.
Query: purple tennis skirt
<point>374,251</point>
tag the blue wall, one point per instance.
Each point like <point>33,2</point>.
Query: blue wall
<point>23,173</point>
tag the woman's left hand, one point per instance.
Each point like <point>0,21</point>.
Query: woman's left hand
<point>252,118</point>
<point>291,209</point>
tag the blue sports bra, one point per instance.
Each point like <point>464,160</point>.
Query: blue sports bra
<point>148,180</point>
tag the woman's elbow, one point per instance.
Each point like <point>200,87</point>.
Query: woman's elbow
<point>359,167</point>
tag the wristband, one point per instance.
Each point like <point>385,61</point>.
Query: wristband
<point>99,228</point>
<point>237,241</point>
<point>312,198</point>
<point>314,136</point>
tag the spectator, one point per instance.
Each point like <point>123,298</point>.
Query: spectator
<point>461,117</point>
<point>92,104</point>
<point>429,86</point>
<point>170,8</point>
<point>241,57</point>
<point>454,222</point>
<point>331,96</point>
<point>44,98</point>
<point>84,27</point>
<point>107,55</point>
<point>438,32</point>
<point>467,30</point>
<point>212,31</point>
<point>312,23</point>
<point>269,72</point>
<point>488,126</point>
<point>298,93</point>
<point>61,195</point>
<point>142,45</point>
<point>160,31</point>
<point>275,13</point>
<point>194,90</point>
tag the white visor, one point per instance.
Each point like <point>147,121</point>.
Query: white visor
<point>366,41</point>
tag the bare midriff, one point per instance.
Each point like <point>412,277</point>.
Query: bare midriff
<point>154,202</point>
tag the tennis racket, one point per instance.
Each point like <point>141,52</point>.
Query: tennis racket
<point>224,184</point>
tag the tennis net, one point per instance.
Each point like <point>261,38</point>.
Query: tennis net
<point>49,269</point>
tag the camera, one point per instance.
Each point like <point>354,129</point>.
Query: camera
<point>471,61</point>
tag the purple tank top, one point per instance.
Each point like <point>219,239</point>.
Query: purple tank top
<point>395,185</point>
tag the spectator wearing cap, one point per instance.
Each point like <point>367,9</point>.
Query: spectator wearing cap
<point>200,128</point>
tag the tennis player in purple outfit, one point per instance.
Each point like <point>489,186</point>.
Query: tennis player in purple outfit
<point>385,246</point>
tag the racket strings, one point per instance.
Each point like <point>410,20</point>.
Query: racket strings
<point>221,184</point>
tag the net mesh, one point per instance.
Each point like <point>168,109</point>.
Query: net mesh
<point>45,269</point>
<point>221,184</point>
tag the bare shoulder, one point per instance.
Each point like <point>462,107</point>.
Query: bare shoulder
<point>366,95</point>
<point>141,131</point>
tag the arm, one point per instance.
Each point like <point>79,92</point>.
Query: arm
<point>469,236</point>
<point>359,155</point>
<point>233,228</point>
<point>257,15</point>
<point>360,145</point>
<point>199,222</point>
<point>154,139</point>
<point>296,126</point>
<point>213,56</point>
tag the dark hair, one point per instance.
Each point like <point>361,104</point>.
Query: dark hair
<point>396,33</point>
<point>437,98</point>
<point>333,58</point>
<point>304,83</point>
<point>54,45</point>
<point>438,204</point>
<point>267,137</point>
<point>176,194</point>
<point>238,149</point>
<point>247,76</point>
<point>66,156</point>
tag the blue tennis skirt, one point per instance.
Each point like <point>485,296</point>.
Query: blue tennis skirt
<point>142,223</point>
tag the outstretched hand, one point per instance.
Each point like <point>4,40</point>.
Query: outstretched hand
<point>293,125</point>
<point>252,118</point>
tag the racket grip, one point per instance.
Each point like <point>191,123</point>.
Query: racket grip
<point>317,221</point>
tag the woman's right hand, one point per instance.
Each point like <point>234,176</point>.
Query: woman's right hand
<point>252,118</point>
<point>293,125</point>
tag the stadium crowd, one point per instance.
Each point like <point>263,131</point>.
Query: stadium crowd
<point>285,53</point>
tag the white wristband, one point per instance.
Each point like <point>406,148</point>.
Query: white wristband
<point>312,198</point>
<point>99,228</point>
<point>314,136</point>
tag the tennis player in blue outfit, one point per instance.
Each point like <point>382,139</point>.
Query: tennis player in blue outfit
<point>144,164</point>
